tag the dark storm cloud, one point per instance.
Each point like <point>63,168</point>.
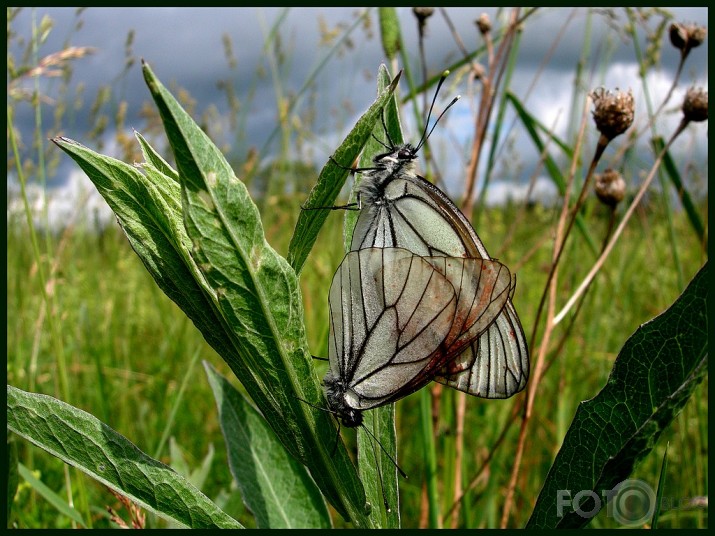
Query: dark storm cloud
<point>184,46</point>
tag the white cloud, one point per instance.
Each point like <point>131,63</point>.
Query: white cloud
<point>76,202</point>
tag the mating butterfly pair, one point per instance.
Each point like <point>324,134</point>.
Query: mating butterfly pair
<point>417,299</point>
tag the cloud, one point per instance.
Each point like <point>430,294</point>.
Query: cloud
<point>75,203</point>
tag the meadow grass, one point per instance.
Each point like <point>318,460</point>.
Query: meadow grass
<point>129,348</point>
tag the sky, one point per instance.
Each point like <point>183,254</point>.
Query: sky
<point>185,49</point>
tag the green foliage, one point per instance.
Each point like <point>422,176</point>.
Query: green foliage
<point>275,487</point>
<point>200,237</point>
<point>81,440</point>
<point>652,379</point>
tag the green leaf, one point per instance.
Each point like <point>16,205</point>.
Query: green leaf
<point>148,207</point>
<point>257,304</point>
<point>154,159</point>
<point>275,487</point>
<point>81,440</point>
<point>331,180</point>
<point>51,497</point>
<point>377,471</point>
<point>652,379</point>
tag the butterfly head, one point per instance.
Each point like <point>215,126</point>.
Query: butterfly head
<point>338,395</point>
<point>400,158</point>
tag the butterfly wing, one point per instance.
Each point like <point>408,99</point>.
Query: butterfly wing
<point>419,217</point>
<point>390,311</point>
<point>496,365</point>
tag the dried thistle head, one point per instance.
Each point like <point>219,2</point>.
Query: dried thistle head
<point>610,187</point>
<point>687,36</point>
<point>695,105</point>
<point>422,14</point>
<point>484,23</point>
<point>612,111</point>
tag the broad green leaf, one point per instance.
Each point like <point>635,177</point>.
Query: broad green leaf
<point>652,379</point>
<point>81,440</point>
<point>275,487</point>
<point>148,207</point>
<point>258,305</point>
<point>331,180</point>
<point>51,497</point>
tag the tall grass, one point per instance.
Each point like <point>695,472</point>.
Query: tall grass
<point>87,324</point>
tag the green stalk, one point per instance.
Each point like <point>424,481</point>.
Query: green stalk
<point>428,448</point>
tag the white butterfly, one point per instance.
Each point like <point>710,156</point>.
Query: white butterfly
<point>398,319</point>
<point>398,208</point>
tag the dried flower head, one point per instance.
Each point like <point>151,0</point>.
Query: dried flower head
<point>610,187</point>
<point>422,14</point>
<point>483,23</point>
<point>695,105</point>
<point>612,111</point>
<point>687,36</point>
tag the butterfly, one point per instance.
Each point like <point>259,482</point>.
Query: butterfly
<point>397,319</point>
<point>400,209</point>
<point>370,363</point>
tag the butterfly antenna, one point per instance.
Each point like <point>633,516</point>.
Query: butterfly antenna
<point>378,140</point>
<point>402,473</point>
<point>387,134</point>
<point>379,476</point>
<point>426,134</point>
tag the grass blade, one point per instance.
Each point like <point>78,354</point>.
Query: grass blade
<point>674,175</point>
<point>532,128</point>
<point>659,493</point>
<point>50,496</point>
